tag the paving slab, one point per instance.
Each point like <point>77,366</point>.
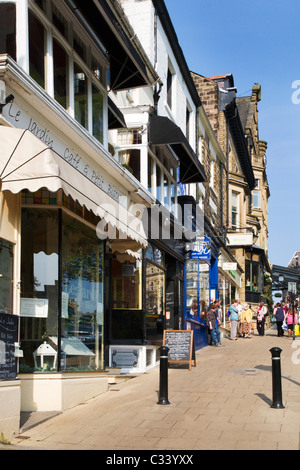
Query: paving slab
<point>224,403</point>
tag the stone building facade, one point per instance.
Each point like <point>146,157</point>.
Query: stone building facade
<point>245,186</point>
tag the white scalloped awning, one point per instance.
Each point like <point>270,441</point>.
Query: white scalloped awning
<point>27,163</point>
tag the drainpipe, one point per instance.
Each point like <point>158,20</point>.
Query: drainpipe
<point>222,192</point>
<point>227,177</point>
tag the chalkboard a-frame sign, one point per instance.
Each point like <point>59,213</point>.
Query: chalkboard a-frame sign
<point>8,337</point>
<point>181,346</point>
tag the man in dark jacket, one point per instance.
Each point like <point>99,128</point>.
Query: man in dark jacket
<point>212,319</point>
<point>279,314</point>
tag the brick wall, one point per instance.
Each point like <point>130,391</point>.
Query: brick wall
<point>209,94</point>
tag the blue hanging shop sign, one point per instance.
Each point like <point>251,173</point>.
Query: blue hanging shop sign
<point>201,249</point>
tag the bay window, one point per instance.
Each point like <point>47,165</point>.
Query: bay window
<point>66,63</point>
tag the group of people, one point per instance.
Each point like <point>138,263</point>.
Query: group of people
<point>241,320</point>
<point>286,316</point>
<point>241,316</point>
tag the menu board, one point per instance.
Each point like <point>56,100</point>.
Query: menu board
<point>181,346</point>
<point>8,338</point>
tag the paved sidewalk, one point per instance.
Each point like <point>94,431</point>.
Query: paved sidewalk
<point>223,403</point>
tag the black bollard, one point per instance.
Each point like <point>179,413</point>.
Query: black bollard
<point>276,378</point>
<point>163,379</point>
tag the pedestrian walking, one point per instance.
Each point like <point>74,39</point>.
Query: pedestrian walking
<point>246,321</point>
<point>291,320</point>
<point>261,314</point>
<point>240,308</point>
<point>234,319</point>
<point>212,323</point>
<point>279,314</point>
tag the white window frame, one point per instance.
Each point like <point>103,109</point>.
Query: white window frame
<point>256,196</point>
<point>237,212</point>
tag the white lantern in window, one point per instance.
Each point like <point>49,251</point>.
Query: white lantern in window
<point>45,356</point>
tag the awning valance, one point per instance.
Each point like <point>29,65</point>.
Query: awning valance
<point>27,163</point>
<point>163,131</point>
<point>128,68</point>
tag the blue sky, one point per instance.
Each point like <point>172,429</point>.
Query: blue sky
<point>257,41</point>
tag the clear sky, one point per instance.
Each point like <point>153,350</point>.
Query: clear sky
<point>256,41</point>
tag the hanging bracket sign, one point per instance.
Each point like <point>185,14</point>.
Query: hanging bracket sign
<point>201,249</point>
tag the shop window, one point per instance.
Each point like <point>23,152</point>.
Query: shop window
<point>154,305</point>
<point>62,293</point>
<point>197,287</point>
<point>82,296</point>
<point>155,255</point>
<point>36,50</point>
<point>39,284</point>
<point>155,293</point>
<point>6,277</point>
<point>252,275</point>
<point>60,62</point>
<point>8,29</point>
<point>126,281</point>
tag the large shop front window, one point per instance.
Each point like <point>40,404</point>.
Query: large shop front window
<point>155,294</point>
<point>62,293</point>
<point>127,320</point>
<point>197,287</point>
